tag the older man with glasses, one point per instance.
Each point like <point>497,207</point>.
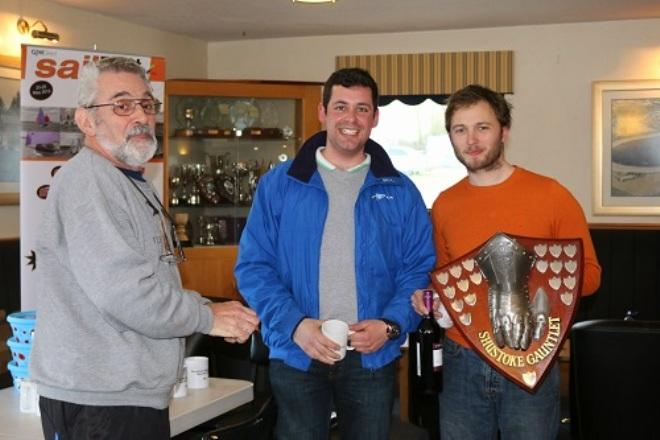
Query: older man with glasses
<point>111,311</point>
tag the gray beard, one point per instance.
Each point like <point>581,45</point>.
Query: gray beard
<point>130,154</point>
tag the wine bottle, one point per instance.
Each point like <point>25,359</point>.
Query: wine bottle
<point>429,351</point>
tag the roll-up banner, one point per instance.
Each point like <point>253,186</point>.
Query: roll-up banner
<point>50,137</point>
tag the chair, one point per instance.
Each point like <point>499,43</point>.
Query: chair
<point>615,388</point>
<point>247,361</point>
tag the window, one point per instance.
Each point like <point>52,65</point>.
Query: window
<point>415,138</point>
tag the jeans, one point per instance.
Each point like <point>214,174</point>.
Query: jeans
<point>362,399</point>
<point>476,401</point>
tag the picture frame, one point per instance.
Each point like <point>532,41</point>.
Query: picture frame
<point>626,147</point>
<point>10,76</point>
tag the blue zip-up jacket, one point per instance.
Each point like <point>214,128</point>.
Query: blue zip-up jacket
<point>277,270</point>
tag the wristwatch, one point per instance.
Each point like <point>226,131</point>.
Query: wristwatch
<point>393,329</point>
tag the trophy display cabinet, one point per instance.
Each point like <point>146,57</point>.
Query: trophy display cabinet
<point>220,137</point>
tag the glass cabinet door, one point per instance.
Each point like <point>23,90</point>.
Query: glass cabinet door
<point>219,147</point>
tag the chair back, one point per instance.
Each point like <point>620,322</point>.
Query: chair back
<point>236,361</point>
<point>258,350</point>
<point>615,388</point>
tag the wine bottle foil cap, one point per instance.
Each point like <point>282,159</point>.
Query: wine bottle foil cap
<point>428,298</point>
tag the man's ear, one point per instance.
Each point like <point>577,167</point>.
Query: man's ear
<point>321,114</point>
<point>376,115</point>
<point>85,121</point>
<point>505,135</point>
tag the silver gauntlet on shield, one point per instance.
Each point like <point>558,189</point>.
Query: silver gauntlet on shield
<point>506,265</point>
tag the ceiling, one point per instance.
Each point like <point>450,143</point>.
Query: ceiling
<point>224,20</point>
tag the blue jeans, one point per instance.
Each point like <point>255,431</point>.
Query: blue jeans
<point>362,399</point>
<point>476,401</point>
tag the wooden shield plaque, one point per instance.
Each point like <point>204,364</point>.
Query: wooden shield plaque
<point>514,299</point>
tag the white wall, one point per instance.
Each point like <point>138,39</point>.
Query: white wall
<point>554,66</point>
<point>185,57</point>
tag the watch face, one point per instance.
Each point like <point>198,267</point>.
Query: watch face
<point>393,330</point>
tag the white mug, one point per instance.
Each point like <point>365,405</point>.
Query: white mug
<point>197,372</point>
<point>337,331</point>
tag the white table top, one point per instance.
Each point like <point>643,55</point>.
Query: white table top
<point>198,406</point>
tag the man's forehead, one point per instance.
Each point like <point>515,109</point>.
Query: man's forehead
<point>358,95</point>
<point>338,89</point>
<point>112,84</point>
<point>480,111</point>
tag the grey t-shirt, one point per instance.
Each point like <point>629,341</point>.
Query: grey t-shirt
<point>337,288</point>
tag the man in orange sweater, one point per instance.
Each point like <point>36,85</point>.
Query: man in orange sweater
<point>496,196</point>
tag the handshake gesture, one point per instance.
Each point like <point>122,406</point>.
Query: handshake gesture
<point>233,321</point>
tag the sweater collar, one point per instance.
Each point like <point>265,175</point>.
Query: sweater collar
<point>322,162</point>
<point>304,165</point>
<point>135,175</point>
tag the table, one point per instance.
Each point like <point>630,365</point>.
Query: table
<point>198,406</point>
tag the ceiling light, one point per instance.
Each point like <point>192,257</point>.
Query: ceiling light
<point>314,1</point>
<point>23,28</point>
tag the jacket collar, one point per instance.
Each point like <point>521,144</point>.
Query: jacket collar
<point>304,165</point>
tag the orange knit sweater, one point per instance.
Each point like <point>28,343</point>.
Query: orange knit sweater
<point>528,204</point>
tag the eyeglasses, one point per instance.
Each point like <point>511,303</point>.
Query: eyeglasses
<point>126,106</point>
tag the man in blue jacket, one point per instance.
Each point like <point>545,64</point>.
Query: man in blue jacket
<point>337,233</point>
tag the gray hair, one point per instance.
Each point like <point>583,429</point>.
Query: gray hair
<point>90,71</point>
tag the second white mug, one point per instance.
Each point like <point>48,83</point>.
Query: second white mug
<point>338,331</point>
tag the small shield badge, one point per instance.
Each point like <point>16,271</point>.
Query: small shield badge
<point>514,299</point>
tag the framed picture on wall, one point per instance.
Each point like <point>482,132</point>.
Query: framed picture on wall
<point>626,147</point>
<point>10,129</point>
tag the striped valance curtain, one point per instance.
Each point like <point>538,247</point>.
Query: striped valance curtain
<point>435,73</point>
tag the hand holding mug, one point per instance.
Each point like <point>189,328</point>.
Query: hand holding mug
<point>339,332</point>
<point>314,343</point>
<point>369,335</point>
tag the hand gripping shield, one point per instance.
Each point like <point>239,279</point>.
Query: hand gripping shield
<point>514,299</point>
